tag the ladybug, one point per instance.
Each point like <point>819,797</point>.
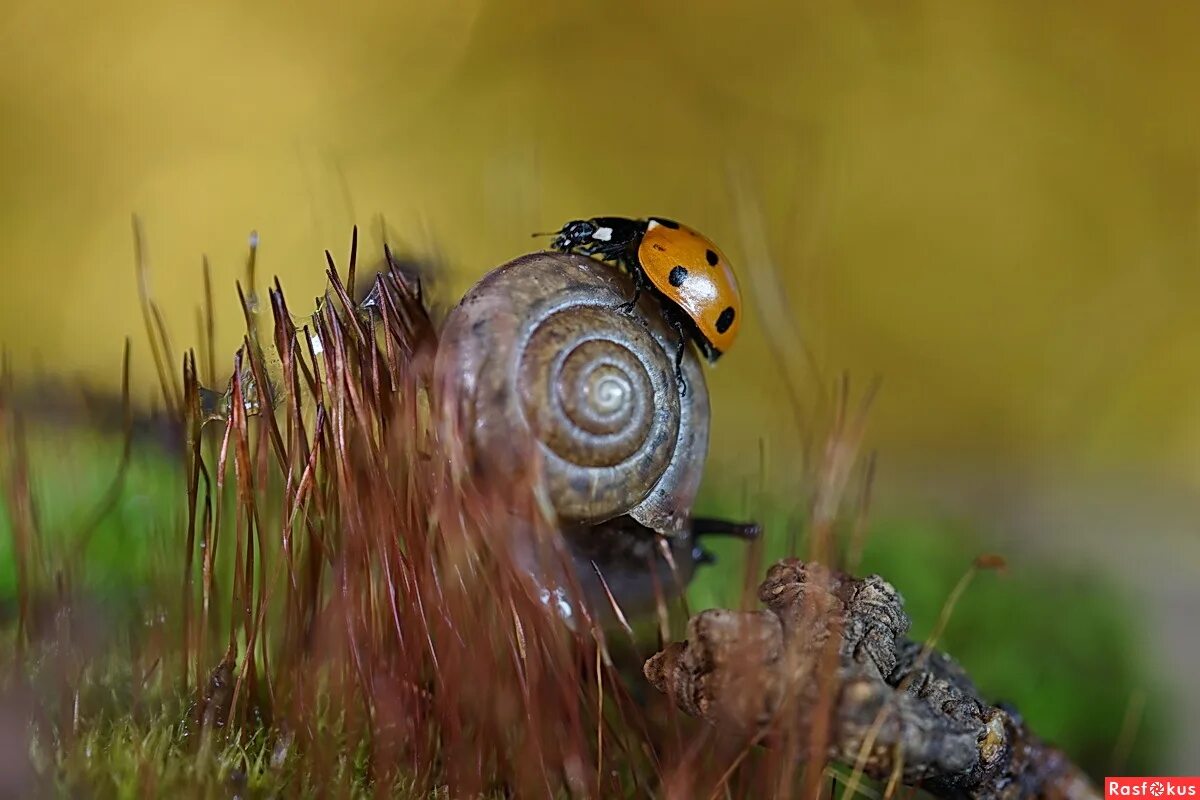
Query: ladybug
<point>682,267</point>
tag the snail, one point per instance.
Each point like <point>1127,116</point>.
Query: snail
<point>624,559</point>
<point>542,359</point>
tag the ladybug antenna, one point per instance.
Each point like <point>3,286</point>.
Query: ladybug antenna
<point>550,233</point>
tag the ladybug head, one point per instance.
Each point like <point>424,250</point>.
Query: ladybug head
<point>574,233</point>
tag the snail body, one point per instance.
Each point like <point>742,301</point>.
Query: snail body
<point>625,560</point>
<point>542,361</point>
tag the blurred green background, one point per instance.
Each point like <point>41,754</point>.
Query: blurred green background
<point>995,206</point>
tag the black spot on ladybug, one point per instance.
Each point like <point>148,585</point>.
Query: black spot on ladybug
<point>667,223</point>
<point>678,276</point>
<point>660,248</point>
<point>711,257</point>
<point>725,320</point>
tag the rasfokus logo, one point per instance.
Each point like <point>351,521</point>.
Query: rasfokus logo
<point>1152,787</point>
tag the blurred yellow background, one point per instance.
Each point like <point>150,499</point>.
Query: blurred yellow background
<point>994,206</point>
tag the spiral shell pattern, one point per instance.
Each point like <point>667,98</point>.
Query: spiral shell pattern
<point>544,364</point>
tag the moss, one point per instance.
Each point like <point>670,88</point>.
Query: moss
<point>71,472</point>
<point>1061,645</point>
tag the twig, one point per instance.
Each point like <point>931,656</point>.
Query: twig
<point>897,710</point>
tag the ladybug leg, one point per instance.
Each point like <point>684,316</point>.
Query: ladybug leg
<point>639,284</point>
<point>680,349</point>
<point>627,307</point>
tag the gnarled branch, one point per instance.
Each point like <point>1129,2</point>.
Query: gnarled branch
<point>828,668</point>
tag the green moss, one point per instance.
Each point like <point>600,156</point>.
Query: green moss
<point>127,758</point>
<point>71,472</point>
<point>1061,645</point>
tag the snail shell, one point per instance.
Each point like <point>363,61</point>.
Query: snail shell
<point>537,359</point>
